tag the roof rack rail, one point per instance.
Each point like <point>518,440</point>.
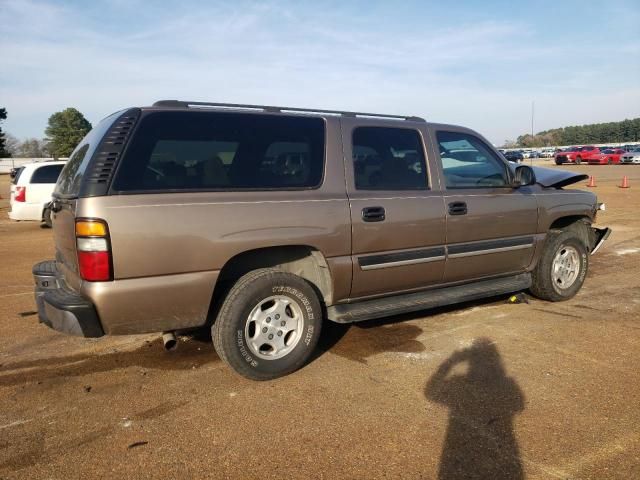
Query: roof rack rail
<point>268,108</point>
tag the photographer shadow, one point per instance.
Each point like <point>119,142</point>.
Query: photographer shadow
<point>482,401</point>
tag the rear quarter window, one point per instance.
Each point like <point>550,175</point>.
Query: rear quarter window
<point>68,184</point>
<point>173,151</point>
<point>46,174</point>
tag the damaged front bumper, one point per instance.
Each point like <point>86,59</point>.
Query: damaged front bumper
<point>61,308</point>
<point>600,235</point>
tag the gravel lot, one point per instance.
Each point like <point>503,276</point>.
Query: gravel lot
<point>487,389</point>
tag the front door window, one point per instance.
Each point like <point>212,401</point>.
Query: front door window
<point>467,162</point>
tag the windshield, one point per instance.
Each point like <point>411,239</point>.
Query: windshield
<point>68,184</point>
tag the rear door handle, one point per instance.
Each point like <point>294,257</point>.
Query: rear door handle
<point>373,214</point>
<point>457,208</point>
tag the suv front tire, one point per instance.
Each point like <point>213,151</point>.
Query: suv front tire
<point>561,270</point>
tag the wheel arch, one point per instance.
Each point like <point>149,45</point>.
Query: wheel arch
<point>564,222</point>
<point>302,260</point>
<point>580,224</point>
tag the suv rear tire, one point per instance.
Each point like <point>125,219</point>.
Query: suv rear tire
<point>562,268</point>
<point>268,325</point>
<point>46,218</point>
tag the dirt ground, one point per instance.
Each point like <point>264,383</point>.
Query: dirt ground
<point>483,390</point>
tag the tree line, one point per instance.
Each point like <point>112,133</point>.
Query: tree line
<point>611,132</point>
<point>64,131</point>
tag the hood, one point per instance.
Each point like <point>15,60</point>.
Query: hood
<point>552,178</point>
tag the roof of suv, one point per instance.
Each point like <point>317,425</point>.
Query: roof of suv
<point>269,109</point>
<point>273,109</point>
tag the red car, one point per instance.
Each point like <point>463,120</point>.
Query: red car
<point>607,157</point>
<point>568,155</point>
<point>578,155</point>
<point>588,153</point>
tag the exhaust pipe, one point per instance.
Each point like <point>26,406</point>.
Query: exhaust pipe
<point>169,341</point>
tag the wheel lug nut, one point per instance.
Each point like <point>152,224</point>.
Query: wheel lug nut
<point>277,316</point>
<point>271,336</point>
<point>268,319</point>
<point>264,330</point>
<point>280,333</point>
<point>283,323</point>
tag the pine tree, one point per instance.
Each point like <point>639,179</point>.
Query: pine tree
<point>65,130</point>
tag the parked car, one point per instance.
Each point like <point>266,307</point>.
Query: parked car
<point>631,157</point>
<point>607,157</point>
<point>547,153</point>
<point>263,223</point>
<point>630,148</point>
<point>568,155</point>
<point>31,190</point>
<point>514,156</point>
<point>586,153</point>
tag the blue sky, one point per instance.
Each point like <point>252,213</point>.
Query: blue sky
<point>479,64</point>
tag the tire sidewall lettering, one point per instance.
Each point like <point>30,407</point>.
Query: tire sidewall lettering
<point>298,295</point>
<point>583,270</point>
<point>240,342</point>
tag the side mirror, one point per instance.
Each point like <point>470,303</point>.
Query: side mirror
<point>524,176</point>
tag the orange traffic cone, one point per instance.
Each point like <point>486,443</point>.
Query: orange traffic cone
<point>592,181</point>
<point>625,182</point>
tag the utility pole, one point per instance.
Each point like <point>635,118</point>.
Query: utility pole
<point>532,111</point>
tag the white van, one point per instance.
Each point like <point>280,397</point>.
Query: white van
<point>31,190</point>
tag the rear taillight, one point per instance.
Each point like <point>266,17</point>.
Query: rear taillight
<point>20,195</point>
<point>94,250</point>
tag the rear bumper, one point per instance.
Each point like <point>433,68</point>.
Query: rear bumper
<point>60,307</point>
<point>25,211</point>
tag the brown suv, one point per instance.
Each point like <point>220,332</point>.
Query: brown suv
<point>261,222</point>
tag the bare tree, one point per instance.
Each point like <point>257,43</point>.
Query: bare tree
<point>11,144</point>
<point>32,148</point>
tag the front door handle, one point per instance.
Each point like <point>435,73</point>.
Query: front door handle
<point>457,208</point>
<point>373,214</point>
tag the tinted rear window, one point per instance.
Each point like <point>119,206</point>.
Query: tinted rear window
<point>222,151</point>
<point>46,174</point>
<point>69,181</point>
